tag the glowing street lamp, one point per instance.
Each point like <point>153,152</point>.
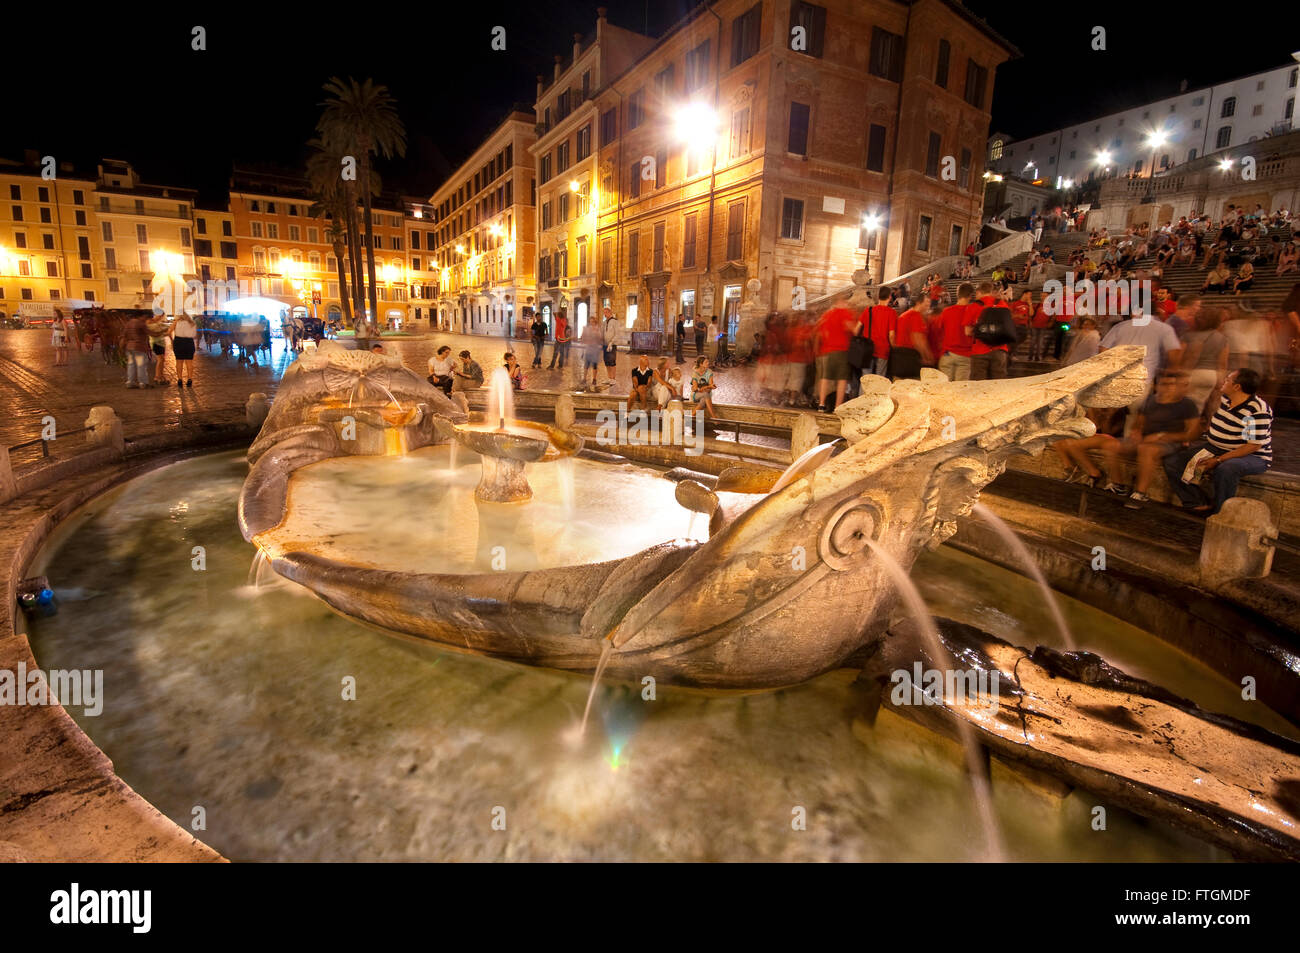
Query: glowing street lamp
<point>573,185</point>
<point>695,122</point>
<point>1225,164</point>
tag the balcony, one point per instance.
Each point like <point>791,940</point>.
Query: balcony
<point>128,208</point>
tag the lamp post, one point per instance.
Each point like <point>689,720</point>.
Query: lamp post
<point>871,222</point>
<point>1155,140</point>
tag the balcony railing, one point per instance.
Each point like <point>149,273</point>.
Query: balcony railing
<point>126,208</point>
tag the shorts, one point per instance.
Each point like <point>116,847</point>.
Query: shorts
<point>159,350</point>
<point>611,356</point>
<point>183,348</point>
<point>589,361</point>
<point>833,366</point>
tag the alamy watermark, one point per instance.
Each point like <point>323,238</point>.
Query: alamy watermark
<point>79,688</point>
<point>952,687</point>
<point>650,428</point>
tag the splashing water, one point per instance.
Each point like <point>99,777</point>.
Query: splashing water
<point>595,680</point>
<point>260,563</point>
<point>975,768</point>
<point>501,398</point>
<point>1008,536</point>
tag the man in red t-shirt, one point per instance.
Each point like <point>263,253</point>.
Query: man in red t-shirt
<point>834,329</point>
<point>908,346</point>
<point>878,320</point>
<point>1022,312</point>
<point>986,363</point>
<point>955,337</point>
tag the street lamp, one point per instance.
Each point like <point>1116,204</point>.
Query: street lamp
<point>1155,140</point>
<point>695,121</point>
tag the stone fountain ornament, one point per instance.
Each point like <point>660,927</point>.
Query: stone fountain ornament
<point>792,578</point>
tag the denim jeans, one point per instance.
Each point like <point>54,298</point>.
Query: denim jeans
<point>1224,477</point>
<point>137,367</point>
<point>879,366</point>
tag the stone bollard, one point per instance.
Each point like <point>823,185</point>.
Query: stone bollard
<point>105,430</point>
<point>1238,541</point>
<point>804,435</point>
<point>8,485</point>
<point>564,415</point>
<point>256,409</point>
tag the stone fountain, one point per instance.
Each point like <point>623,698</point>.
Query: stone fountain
<point>793,579</point>
<point>510,444</point>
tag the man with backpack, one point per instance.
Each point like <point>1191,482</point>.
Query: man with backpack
<point>994,332</point>
<point>539,330</point>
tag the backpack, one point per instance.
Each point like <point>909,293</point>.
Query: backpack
<point>861,348</point>
<point>995,326</point>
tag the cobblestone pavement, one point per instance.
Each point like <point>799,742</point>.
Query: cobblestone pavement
<point>31,387</point>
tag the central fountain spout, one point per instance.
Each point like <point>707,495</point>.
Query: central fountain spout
<point>512,444</point>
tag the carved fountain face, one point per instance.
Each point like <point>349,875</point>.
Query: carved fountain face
<point>505,444</point>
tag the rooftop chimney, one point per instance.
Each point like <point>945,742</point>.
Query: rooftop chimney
<point>540,87</point>
<point>577,46</point>
<point>558,60</point>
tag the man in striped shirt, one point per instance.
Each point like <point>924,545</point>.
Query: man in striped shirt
<point>1239,438</point>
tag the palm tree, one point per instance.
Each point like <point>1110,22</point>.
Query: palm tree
<point>363,117</point>
<point>331,199</point>
<point>325,172</point>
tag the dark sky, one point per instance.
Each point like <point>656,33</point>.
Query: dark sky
<point>130,87</point>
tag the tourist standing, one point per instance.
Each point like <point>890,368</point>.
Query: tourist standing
<point>1163,349</point>
<point>987,361</point>
<point>59,338</point>
<point>1085,343</point>
<point>680,338</point>
<point>1206,357</point>
<point>593,343</point>
<point>956,336</point>
<point>158,346</point>
<point>880,320</point>
<point>183,333</point>
<point>909,347</point>
<point>834,329</point>
<point>700,332</point>
<point>613,335</point>
<point>136,342</point>
<point>563,335</point>
<point>538,330</point>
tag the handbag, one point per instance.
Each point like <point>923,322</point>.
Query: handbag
<point>862,349</point>
<point>995,326</point>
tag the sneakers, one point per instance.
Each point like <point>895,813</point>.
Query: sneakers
<point>1136,499</point>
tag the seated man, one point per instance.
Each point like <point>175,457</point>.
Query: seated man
<point>1217,279</point>
<point>1166,420</point>
<point>1238,441</point>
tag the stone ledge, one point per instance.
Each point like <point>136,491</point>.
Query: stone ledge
<point>59,798</point>
<point>1280,491</point>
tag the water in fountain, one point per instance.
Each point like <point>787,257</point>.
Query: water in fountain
<point>501,398</point>
<point>565,480</point>
<point>974,764</point>
<point>255,570</point>
<point>1026,558</point>
<point>595,680</point>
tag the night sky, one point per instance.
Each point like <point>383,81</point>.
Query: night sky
<point>130,87</point>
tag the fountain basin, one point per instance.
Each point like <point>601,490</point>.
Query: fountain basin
<point>505,449</point>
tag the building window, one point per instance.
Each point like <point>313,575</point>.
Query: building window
<point>107,229</point>
<point>1290,108</point>
<point>110,259</point>
<point>1229,107</point>
<point>697,67</point>
<point>1191,154</point>
<point>633,253</point>
<point>20,239</point>
<point>272,230</point>
<point>792,219</point>
<point>561,157</point>
<point>201,225</point>
<point>229,250</point>
<point>688,241</point>
<point>1196,124</point>
<point>739,132</point>
<point>636,109</point>
<point>544,169</point>
<point>954,241</point>
<point>813,20</point>
<point>964,169</point>
<point>798,138</point>
<point>664,83</point>
<point>661,168</point>
<point>606,256</point>
<point>583,142</point>
<point>17,213</point>
<point>226,229</point>
<point>932,156</point>
<point>608,126</point>
<point>47,241</point>
<point>941,71</point>
<point>42,193</point>
<point>16,192</point>
<point>634,181</point>
<point>923,234</point>
<point>876,148</point>
<point>1224,137</point>
<point>257,229</point>
<point>977,78</point>
<point>745,30</point>
<point>886,55</point>
<point>45,216</point>
<point>142,235</point>
<point>659,247</point>
<point>1258,110</point>
<point>736,231</point>
<point>564,208</point>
